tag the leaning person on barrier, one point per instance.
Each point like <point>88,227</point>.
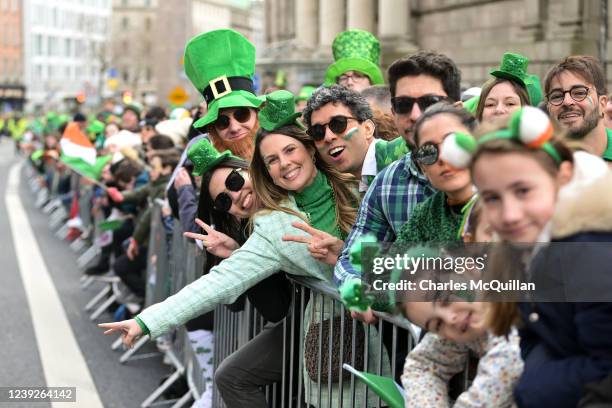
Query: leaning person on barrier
<point>293,184</point>
<point>129,266</point>
<point>456,332</point>
<point>416,83</point>
<point>225,177</point>
<point>535,191</point>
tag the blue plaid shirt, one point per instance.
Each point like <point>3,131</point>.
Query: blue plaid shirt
<point>385,208</point>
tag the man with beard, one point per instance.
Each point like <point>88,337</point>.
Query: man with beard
<point>576,99</point>
<point>221,64</point>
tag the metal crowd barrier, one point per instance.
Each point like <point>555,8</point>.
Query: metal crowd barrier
<point>173,263</point>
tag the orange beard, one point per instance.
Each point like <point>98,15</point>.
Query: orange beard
<point>243,148</point>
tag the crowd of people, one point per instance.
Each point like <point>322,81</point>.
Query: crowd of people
<point>275,184</point>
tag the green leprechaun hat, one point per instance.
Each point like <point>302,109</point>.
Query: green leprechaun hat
<point>514,67</point>
<point>205,157</point>
<point>355,50</point>
<point>278,110</point>
<point>221,64</point>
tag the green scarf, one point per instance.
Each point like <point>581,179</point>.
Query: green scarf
<point>318,202</point>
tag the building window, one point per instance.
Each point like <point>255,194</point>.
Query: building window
<point>38,44</point>
<point>147,3</point>
<point>124,3</point>
<point>125,23</point>
<point>68,47</point>
<point>148,24</point>
<point>126,75</point>
<point>148,74</point>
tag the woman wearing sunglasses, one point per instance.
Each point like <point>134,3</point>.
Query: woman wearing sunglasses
<point>438,218</point>
<point>293,184</point>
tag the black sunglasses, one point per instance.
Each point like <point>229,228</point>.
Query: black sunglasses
<point>242,115</point>
<point>427,154</point>
<point>404,104</point>
<point>234,182</point>
<point>337,124</point>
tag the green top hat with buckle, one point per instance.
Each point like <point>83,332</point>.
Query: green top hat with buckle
<point>205,157</point>
<point>514,67</point>
<point>278,110</point>
<point>355,50</point>
<point>221,64</point>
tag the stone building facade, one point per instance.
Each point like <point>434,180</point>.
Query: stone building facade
<point>133,47</point>
<point>475,33</point>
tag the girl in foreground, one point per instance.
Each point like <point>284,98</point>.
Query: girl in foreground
<point>455,331</point>
<point>533,190</point>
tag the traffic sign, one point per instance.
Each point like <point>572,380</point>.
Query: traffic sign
<point>178,96</point>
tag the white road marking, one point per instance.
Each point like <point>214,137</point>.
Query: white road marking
<point>62,360</point>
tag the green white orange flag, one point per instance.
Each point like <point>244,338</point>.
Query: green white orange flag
<point>79,153</point>
<point>75,144</point>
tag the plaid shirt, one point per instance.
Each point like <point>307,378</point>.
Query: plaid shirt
<point>385,208</point>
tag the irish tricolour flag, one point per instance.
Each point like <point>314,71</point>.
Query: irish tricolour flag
<point>79,153</point>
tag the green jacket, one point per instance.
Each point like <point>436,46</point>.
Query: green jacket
<point>145,195</point>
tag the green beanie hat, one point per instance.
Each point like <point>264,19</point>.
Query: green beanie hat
<point>95,127</point>
<point>355,50</point>
<point>205,157</point>
<point>514,67</point>
<point>278,110</point>
<point>220,64</point>
<point>305,93</point>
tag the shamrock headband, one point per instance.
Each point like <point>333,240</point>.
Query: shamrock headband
<point>528,126</point>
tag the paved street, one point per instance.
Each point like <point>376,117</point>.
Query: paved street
<point>44,342</point>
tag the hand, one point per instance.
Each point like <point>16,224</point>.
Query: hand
<point>132,249</point>
<point>366,317</point>
<point>322,246</point>
<point>215,242</point>
<point>182,178</point>
<point>114,194</point>
<point>130,330</point>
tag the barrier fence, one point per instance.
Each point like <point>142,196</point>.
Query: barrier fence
<point>317,321</point>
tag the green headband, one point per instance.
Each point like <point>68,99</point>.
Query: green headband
<point>528,126</point>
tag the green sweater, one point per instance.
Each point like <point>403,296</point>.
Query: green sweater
<point>432,221</point>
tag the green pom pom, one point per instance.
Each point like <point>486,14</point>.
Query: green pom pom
<point>466,142</point>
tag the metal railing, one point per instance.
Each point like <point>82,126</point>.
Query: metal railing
<point>174,262</point>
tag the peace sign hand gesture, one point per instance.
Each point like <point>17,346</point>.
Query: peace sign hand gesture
<point>130,330</point>
<point>215,242</point>
<point>322,246</point>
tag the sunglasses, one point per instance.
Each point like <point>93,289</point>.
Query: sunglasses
<point>428,153</point>
<point>234,182</point>
<point>337,124</point>
<point>404,104</point>
<point>241,115</point>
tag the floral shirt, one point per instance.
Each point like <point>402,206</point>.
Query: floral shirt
<point>432,363</point>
